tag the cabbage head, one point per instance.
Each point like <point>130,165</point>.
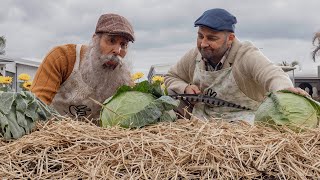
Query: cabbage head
<point>136,109</point>
<point>285,108</point>
<point>19,112</point>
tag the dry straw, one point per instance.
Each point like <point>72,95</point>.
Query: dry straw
<point>180,150</point>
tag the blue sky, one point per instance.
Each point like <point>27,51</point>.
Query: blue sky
<point>164,29</point>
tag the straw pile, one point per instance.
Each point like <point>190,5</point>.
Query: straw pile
<point>181,150</point>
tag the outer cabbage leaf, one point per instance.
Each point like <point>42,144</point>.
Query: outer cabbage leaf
<point>6,99</point>
<point>135,109</point>
<point>286,108</point>
<point>168,116</point>
<point>123,106</point>
<point>19,111</point>
<point>144,86</point>
<point>151,113</point>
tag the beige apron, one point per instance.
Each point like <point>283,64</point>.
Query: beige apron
<point>72,98</point>
<point>221,84</point>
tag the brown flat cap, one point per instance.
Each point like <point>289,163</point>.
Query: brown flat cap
<point>116,25</point>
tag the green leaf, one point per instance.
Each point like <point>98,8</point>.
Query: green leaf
<point>151,113</point>
<point>5,88</point>
<point>122,89</point>
<point>135,109</point>
<point>144,87</point>
<point>123,106</point>
<point>19,112</point>
<point>30,125</point>
<point>168,116</point>
<point>15,130</point>
<point>30,111</point>
<point>21,120</point>
<point>21,103</point>
<point>44,111</point>
<point>289,109</point>
<point>6,101</point>
<point>156,89</point>
<point>3,122</point>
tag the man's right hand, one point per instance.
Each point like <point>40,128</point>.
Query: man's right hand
<point>192,89</point>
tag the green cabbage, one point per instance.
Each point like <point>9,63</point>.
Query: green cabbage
<point>19,111</point>
<point>136,109</point>
<point>285,108</point>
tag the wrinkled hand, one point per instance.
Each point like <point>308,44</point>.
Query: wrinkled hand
<point>298,91</point>
<point>192,89</point>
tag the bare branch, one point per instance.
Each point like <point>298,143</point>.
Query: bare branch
<point>315,39</point>
<point>2,45</point>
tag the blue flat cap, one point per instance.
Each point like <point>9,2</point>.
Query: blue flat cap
<point>217,19</point>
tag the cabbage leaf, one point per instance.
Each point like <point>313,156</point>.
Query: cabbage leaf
<point>285,108</point>
<point>134,109</point>
<point>19,112</point>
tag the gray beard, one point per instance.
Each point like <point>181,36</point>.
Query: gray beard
<point>214,58</point>
<point>105,81</point>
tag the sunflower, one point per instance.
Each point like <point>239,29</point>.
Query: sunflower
<point>24,77</point>
<point>26,85</point>
<point>158,79</point>
<point>137,75</point>
<point>5,79</point>
<point>133,77</point>
<point>1,79</point>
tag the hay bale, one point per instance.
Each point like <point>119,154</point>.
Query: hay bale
<point>184,149</point>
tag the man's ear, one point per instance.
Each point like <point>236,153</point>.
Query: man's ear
<point>231,37</point>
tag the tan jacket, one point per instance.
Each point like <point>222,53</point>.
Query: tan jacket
<point>254,73</point>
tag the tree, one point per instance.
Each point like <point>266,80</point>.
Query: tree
<point>284,63</point>
<point>316,42</point>
<point>2,45</point>
<point>292,64</point>
<point>295,63</point>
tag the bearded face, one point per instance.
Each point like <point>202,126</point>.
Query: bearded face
<point>213,55</point>
<point>104,72</point>
<point>213,44</point>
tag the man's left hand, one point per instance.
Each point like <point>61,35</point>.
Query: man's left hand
<point>298,91</point>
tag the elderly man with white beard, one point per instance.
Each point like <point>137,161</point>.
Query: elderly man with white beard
<point>71,75</point>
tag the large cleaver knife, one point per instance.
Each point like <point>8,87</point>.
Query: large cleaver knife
<point>207,99</point>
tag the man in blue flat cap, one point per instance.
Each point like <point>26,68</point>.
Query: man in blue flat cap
<point>223,67</point>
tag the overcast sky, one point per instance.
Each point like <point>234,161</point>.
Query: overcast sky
<point>164,30</point>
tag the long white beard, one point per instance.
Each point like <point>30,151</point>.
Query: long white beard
<point>105,81</point>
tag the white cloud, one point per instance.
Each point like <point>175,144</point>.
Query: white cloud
<point>164,29</point>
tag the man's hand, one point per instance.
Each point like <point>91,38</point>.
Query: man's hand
<point>298,91</point>
<point>192,89</point>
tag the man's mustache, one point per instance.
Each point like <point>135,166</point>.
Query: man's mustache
<point>106,58</point>
<point>111,61</point>
<point>206,49</point>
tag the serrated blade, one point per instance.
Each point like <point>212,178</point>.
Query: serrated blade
<point>208,100</point>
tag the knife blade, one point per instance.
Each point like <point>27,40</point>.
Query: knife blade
<point>207,99</point>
